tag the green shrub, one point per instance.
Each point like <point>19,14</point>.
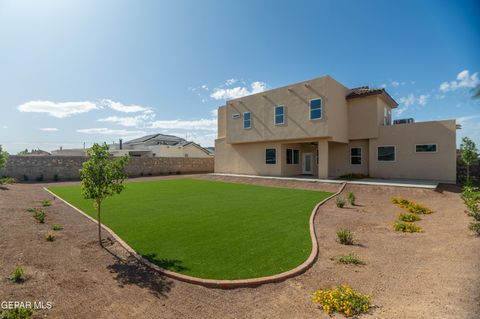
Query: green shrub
<point>25,178</point>
<point>345,236</point>
<point>40,216</point>
<point>350,258</point>
<point>7,180</point>
<point>39,178</point>
<point>408,217</point>
<point>57,227</point>
<point>18,275</point>
<point>46,203</point>
<point>407,227</point>
<point>50,237</point>
<point>17,313</point>
<point>31,210</point>
<point>351,198</point>
<point>340,202</point>
<point>55,178</point>
<point>342,299</point>
<point>475,227</point>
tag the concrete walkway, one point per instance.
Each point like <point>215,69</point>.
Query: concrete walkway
<point>367,181</point>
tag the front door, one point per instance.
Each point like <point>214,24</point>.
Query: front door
<point>307,163</point>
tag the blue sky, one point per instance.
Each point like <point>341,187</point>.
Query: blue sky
<point>92,71</point>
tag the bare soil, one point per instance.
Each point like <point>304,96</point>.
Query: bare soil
<point>435,274</point>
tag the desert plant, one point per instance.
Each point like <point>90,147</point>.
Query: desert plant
<point>475,227</point>
<point>31,210</point>
<point>469,155</point>
<point>350,258</point>
<point>46,203</point>
<point>411,206</point>
<point>102,176</point>
<point>342,299</point>
<point>40,216</point>
<point>340,202</point>
<point>351,198</point>
<point>57,227</point>
<point>18,275</point>
<point>408,217</point>
<point>7,180</point>
<point>50,237</point>
<point>3,158</point>
<point>407,227</point>
<point>17,313</point>
<point>345,236</point>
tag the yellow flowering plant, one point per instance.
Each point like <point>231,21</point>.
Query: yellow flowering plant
<point>342,299</point>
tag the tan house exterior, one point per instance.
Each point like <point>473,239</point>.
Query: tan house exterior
<point>321,128</point>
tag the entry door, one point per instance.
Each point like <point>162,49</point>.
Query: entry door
<point>307,163</point>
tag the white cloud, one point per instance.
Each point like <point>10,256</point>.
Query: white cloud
<point>204,87</point>
<point>422,99</point>
<point>463,119</point>
<point>107,131</point>
<point>214,113</point>
<point>401,110</point>
<point>202,124</point>
<point>49,129</point>
<point>231,81</point>
<point>407,100</point>
<point>4,127</point>
<point>464,80</point>
<point>395,84</point>
<point>59,110</point>
<point>129,121</point>
<point>117,106</point>
<point>237,92</point>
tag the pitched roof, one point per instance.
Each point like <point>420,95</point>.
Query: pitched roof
<point>363,91</point>
<point>157,139</point>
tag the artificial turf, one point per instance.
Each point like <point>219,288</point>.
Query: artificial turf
<point>209,229</point>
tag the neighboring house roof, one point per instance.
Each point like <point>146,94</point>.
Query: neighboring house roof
<point>37,152</point>
<point>363,91</point>
<point>157,139</point>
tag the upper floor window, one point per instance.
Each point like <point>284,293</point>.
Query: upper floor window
<point>247,120</point>
<point>316,109</point>
<point>270,156</point>
<point>293,156</point>
<point>425,148</point>
<point>279,115</point>
<point>386,153</point>
<point>356,156</point>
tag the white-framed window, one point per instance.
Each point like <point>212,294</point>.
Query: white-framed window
<point>316,109</point>
<point>426,148</point>
<point>247,120</point>
<point>271,156</point>
<point>293,156</point>
<point>279,115</point>
<point>356,156</point>
<point>386,153</point>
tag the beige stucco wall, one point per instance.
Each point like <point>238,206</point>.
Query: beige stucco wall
<point>339,158</point>
<point>297,124</point>
<point>297,169</point>
<point>408,164</point>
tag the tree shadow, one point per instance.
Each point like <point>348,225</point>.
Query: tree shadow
<point>129,271</point>
<point>4,188</point>
<point>168,264</point>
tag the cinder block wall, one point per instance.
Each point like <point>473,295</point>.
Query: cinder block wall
<point>32,168</point>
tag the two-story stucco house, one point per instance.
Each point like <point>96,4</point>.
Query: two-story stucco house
<point>324,129</point>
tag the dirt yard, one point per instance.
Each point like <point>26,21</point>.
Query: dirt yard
<point>435,274</point>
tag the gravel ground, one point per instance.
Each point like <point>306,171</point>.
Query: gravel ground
<point>434,274</point>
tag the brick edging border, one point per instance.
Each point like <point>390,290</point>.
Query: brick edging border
<point>222,284</point>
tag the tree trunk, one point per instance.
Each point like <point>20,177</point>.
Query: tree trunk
<point>99,225</point>
<point>468,172</point>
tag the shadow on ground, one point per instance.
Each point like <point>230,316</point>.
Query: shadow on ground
<point>169,264</point>
<point>129,271</point>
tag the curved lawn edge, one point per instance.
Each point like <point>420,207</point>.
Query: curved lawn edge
<point>222,283</point>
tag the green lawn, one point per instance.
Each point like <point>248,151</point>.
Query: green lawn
<point>209,229</point>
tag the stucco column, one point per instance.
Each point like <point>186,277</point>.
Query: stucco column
<point>323,159</point>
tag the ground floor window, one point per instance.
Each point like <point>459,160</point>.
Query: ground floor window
<point>270,156</point>
<point>386,153</point>
<point>426,148</point>
<point>293,156</point>
<point>356,156</point>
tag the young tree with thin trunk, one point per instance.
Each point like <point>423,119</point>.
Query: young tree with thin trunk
<point>3,158</point>
<point>102,176</point>
<point>468,154</point>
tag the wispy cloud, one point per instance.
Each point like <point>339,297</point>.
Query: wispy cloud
<point>58,110</point>
<point>237,92</point>
<point>463,119</point>
<point>113,132</point>
<point>49,129</point>
<point>464,80</point>
<point>129,121</point>
<point>409,100</point>
<point>202,124</point>
<point>423,99</point>
<point>117,106</point>
<point>231,81</point>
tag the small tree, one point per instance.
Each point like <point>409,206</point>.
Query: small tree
<point>102,176</point>
<point>3,158</point>
<point>468,154</point>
